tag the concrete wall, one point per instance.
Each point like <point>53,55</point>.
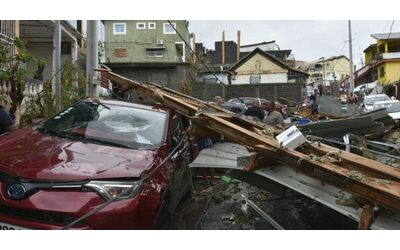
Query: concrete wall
<point>265,78</point>
<point>392,72</point>
<point>44,51</point>
<point>170,77</point>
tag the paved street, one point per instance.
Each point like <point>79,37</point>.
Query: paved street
<point>330,105</point>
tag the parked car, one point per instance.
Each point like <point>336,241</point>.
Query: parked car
<point>248,101</point>
<point>392,107</point>
<point>236,107</point>
<point>368,102</point>
<point>131,158</point>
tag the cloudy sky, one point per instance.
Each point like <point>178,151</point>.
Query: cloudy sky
<point>308,40</point>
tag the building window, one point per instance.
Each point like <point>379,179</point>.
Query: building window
<point>168,29</point>
<point>155,53</point>
<point>382,72</point>
<point>119,28</point>
<point>140,26</point>
<point>152,26</point>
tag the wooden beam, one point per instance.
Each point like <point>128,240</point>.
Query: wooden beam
<point>364,165</point>
<point>367,216</point>
<point>372,181</point>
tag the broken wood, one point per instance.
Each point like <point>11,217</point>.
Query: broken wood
<point>366,217</point>
<point>251,163</point>
<point>376,183</point>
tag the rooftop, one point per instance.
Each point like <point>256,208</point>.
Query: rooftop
<point>386,36</point>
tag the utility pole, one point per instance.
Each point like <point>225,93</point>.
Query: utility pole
<point>194,48</point>
<point>351,59</point>
<point>92,61</point>
<point>57,63</point>
<point>323,72</point>
<point>223,47</point>
<point>238,46</point>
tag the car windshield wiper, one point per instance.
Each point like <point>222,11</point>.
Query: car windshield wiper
<point>110,143</point>
<point>55,132</point>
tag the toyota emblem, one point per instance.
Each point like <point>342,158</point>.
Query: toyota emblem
<point>16,191</point>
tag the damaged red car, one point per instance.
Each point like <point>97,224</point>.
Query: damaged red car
<point>99,164</point>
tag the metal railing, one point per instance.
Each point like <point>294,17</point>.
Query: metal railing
<point>7,36</point>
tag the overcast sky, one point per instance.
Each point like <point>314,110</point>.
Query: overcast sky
<point>308,40</point>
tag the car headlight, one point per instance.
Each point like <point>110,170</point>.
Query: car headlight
<point>111,189</point>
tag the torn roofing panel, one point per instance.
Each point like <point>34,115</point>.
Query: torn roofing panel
<point>339,128</point>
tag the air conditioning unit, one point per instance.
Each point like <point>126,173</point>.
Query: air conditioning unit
<point>160,42</point>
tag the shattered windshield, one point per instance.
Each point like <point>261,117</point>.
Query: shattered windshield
<point>113,125</point>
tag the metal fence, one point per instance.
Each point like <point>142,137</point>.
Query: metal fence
<point>207,91</point>
<point>7,36</point>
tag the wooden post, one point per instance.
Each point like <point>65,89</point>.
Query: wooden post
<point>194,48</point>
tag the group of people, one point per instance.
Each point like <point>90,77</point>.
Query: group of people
<point>9,120</point>
<point>265,112</point>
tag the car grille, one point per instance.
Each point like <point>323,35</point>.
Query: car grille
<point>42,216</point>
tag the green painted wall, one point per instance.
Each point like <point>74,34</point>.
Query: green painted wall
<point>137,41</point>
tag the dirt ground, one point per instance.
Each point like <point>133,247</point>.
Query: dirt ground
<point>221,205</point>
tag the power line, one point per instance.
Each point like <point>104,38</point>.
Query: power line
<point>202,62</point>
<point>391,26</point>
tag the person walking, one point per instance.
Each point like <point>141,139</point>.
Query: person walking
<point>320,89</point>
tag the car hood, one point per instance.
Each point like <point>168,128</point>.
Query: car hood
<point>31,154</point>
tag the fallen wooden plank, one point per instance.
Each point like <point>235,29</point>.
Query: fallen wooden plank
<point>359,163</point>
<point>385,192</point>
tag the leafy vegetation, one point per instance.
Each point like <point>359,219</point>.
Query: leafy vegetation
<point>42,105</point>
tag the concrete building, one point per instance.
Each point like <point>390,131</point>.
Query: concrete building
<point>39,38</point>
<point>259,67</point>
<point>326,71</point>
<point>148,50</point>
<point>382,61</point>
<point>39,35</point>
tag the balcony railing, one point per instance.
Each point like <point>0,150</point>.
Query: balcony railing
<point>390,55</point>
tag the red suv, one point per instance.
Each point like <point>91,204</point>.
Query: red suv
<point>99,164</point>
